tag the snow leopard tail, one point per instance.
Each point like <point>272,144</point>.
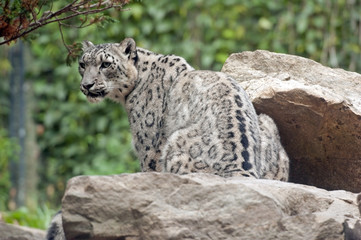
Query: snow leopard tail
<point>55,231</point>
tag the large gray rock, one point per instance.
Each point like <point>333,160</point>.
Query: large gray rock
<point>13,232</point>
<point>317,110</point>
<point>201,206</point>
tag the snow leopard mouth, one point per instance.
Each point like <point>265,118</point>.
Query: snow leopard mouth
<point>100,94</point>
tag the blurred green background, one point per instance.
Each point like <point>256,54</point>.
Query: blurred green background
<point>66,136</point>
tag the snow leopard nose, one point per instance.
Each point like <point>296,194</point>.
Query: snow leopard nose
<point>87,86</point>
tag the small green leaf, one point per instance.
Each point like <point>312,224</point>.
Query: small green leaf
<point>265,23</point>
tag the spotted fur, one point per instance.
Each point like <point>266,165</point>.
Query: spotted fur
<point>183,120</point>
<point>55,231</point>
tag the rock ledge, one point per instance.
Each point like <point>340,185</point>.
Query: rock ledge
<point>202,206</point>
<point>317,110</point>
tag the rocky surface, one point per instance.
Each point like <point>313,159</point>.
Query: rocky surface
<point>317,110</point>
<point>201,206</point>
<point>13,232</point>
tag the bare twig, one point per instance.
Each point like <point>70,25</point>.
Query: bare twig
<point>34,16</point>
<point>62,37</point>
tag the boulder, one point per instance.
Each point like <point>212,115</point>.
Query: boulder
<point>13,232</point>
<point>317,110</point>
<point>203,206</point>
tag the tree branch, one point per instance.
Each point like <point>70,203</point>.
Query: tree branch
<point>76,8</point>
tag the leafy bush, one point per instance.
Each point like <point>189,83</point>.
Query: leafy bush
<point>38,218</point>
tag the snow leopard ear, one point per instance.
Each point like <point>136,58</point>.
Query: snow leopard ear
<point>87,45</point>
<point>129,48</point>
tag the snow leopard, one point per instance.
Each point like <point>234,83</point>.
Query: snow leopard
<point>183,120</point>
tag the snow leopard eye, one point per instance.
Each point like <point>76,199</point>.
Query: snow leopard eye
<point>82,65</point>
<point>105,64</point>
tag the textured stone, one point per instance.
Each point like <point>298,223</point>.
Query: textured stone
<point>317,110</point>
<point>201,206</point>
<point>13,232</point>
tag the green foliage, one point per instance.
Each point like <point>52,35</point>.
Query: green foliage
<point>75,137</point>
<point>205,32</point>
<point>38,218</point>
<point>5,68</point>
<point>8,150</point>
